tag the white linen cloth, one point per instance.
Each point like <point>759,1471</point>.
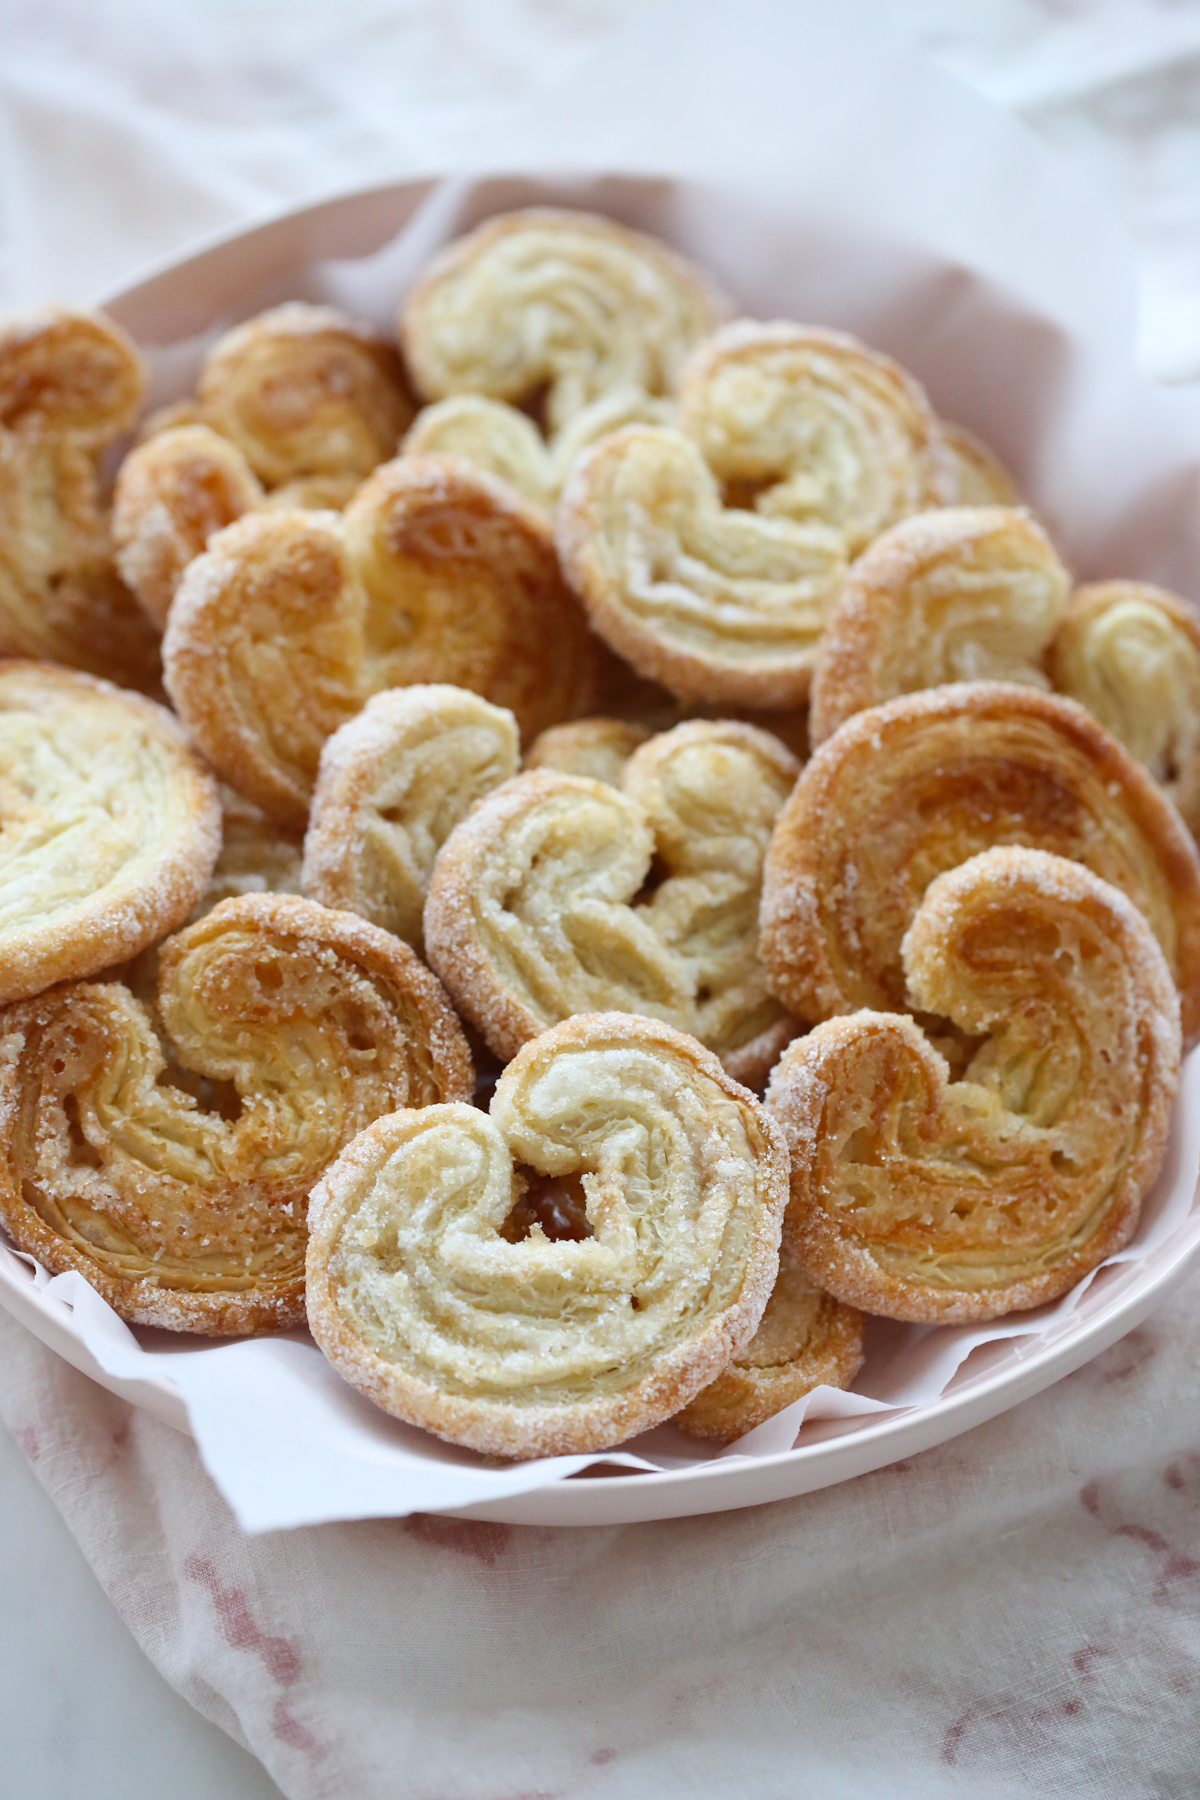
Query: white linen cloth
<point>1013,1614</point>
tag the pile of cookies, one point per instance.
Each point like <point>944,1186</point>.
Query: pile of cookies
<point>447,783</point>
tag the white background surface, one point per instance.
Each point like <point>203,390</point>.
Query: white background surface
<point>253,104</point>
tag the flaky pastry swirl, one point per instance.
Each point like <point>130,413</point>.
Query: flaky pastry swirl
<point>1130,653</point>
<point>560,304</point>
<point>982,479</point>
<point>533,1348</point>
<point>597,748</point>
<point>109,825</point>
<point>904,791</point>
<point>393,783</point>
<point>167,1154</point>
<point>813,426</point>
<point>435,572</point>
<point>966,593</point>
<point>715,603</point>
<point>70,383</point>
<point>561,895</point>
<point>932,1200</point>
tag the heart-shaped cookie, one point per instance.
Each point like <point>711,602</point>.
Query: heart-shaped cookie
<point>420,1298</point>
<point>167,1154</point>
<point>926,1199</point>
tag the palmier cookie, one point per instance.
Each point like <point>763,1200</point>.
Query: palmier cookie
<point>811,425</point>
<point>290,621</point>
<point>535,1348</point>
<point>806,1339</point>
<point>70,383</point>
<point>561,895</point>
<point>109,825</point>
<point>932,1200</point>
<point>982,479</point>
<point>904,791</point>
<point>972,593</point>
<point>393,783</point>
<point>597,748</point>
<point>715,603</point>
<point>1131,654</point>
<point>561,306</point>
<point>174,1174</point>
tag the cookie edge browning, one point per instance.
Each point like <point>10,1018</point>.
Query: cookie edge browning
<point>586,1426</point>
<point>799,1086</point>
<point>790,937</point>
<point>231,1313</point>
<point>164,897</point>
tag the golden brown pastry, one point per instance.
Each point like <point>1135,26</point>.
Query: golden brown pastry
<point>557,306</point>
<point>256,856</point>
<point>715,603</point>
<point>561,895</point>
<point>1130,653</point>
<point>435,572</point>
<point>983,479</point>
<point>167,1152</point>
<point>70,383</point>
<point>393,783</point>
<point>968,593</point>
<point>535,1347</point>
<point>806,1339</point>
<point>931,1200</point>
<point>904,791</point>
<point>109,825</point>
<point>597,748</point>
<point>810,425</point>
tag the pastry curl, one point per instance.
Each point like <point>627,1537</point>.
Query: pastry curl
<point>806,1339</point>
<point>555,304</point>
<point>597,748</point>
<point>109,825</point>
<point>983,479</point>
<point>256,857</point>
<point>393,783</point>
<point>906,790</point>
<point>70,383</point>
<point>167,1152</point>
<point>1130,653</point>
<point>560,895</point>
<point>716,604</point>
<point>290,621</point>
<point>532,1348</point>
<point>811,425</point>
<point>935,1200</point>
<point>966,593</point>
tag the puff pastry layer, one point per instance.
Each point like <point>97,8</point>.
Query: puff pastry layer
<point>715,603</point>
<point>560,895</point>
<point>70,383</point>
<point>536,1347</point>
<point>393,783</point>
<point>290,621</point>
<point>1130,653</point>
<point>904,791</point>
<point>972,593</point>
<point>167,1153</point>
<point>983,479</point>
<point>555,304</point>
<point>597,748</point>
<point>109,825</point>
<point>932,1200</point>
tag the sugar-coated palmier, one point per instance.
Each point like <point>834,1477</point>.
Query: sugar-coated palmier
<point>559,895</point>
<point>935,1200</point>
<point>109,825</point>
<point>1130,653</point>
<point>555,305</point>
<point>810,425</point>
<point>982,479</point>
<point>420,1298</point>
<point>597,748</point>
<point>70,383</point>
<point>966,593</point>
<point>806,1339</point>
<point>435,572</point>
<point>903,791</point>
<point>166,1151</point>
<point>714,602</point>
<point>393,783</point>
